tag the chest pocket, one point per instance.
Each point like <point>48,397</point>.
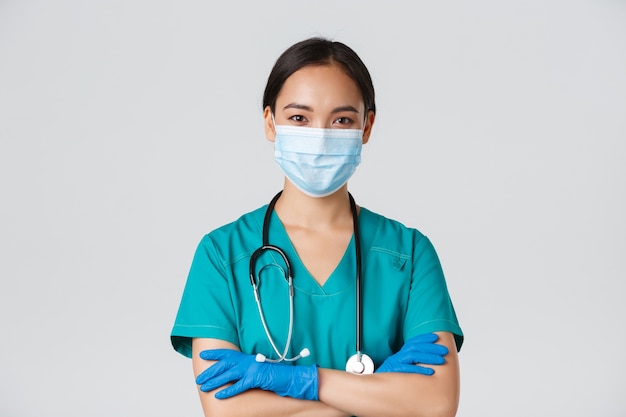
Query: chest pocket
<point>386,289</point>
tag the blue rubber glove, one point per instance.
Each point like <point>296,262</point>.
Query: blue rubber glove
<point>420,349</point>
<point>246,373</point>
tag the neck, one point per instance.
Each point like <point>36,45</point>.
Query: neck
<point>298,209</point>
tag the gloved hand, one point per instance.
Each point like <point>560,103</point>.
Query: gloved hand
<point>233,366</point>
<point>420,349</point>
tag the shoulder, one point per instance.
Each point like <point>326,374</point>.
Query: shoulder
<point>388,228</point>
<point>248,222</point>
<point>393,237</point>
<point>237,236</point>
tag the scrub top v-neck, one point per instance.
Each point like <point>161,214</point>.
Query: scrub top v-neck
<point>341,277</point>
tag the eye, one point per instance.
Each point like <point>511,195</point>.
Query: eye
<point>298,118</point>
<point>343,121</point>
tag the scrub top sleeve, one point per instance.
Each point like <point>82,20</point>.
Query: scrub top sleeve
<point>206,309</point>
<point>430,308</point>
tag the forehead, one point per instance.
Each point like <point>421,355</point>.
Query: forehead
<point>320,84</point>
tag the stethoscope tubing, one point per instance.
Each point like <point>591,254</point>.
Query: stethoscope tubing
<point>357,245</point>
<point>289,278</point>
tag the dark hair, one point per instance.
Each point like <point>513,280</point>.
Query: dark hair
<point>318,51</point>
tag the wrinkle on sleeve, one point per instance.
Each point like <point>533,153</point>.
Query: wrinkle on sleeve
<point>206,309</point>
<point>430,308</point>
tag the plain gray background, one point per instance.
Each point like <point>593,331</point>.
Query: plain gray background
<point>130,128</point>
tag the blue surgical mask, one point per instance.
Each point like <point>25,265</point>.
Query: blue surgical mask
<point>317,161</point>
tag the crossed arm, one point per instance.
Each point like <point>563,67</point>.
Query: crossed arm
<point>345,394</point>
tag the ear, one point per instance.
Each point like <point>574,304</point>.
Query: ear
<point>369,122</point>
<point>268,123</point>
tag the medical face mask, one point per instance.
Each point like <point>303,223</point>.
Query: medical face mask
<point>317,161</point>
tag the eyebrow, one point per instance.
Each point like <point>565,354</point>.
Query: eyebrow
<point>308,108</point>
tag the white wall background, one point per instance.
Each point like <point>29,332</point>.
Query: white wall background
<point>130,128</point>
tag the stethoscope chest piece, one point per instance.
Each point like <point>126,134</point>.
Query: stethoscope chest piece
<point>360,367</point>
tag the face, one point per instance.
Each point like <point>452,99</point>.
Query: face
<point>321,96</point>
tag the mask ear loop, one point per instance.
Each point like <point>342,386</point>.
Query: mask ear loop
<point>364,124</point>
<point>274,125</point>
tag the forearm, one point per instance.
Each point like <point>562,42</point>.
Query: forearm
<point>253,402</point>
<point>395,394</point>
<point>389,394</point>
<point>261,403</point>
<point>339,393</point>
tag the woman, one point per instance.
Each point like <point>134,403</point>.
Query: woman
<point>360,281</point>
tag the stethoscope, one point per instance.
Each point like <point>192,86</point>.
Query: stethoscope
<point>359,363</point>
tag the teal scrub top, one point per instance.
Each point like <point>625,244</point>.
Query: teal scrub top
<point>404,293</point>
